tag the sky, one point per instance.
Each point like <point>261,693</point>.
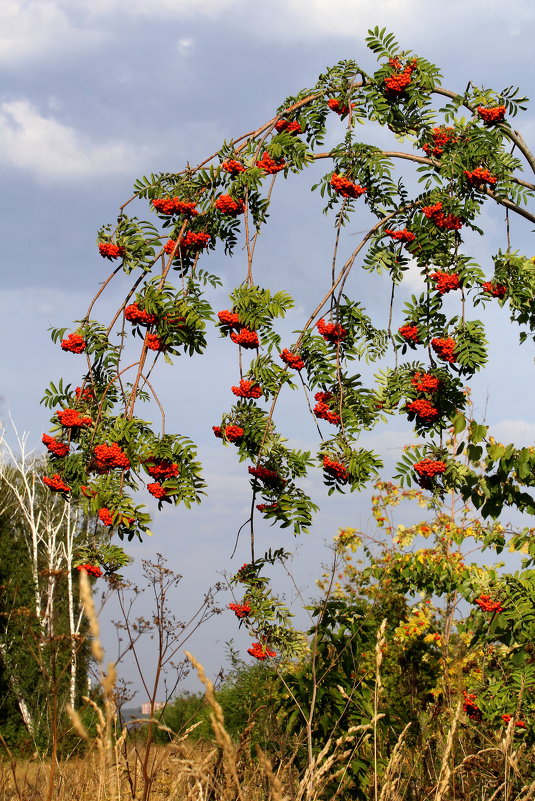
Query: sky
<point>96,93</point>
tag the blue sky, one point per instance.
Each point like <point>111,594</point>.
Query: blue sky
<point>95,93</point>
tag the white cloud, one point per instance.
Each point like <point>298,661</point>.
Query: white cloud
<point>520,432</point>
<point>51,150</point>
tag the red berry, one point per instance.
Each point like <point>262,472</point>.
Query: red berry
<point>75,343</point>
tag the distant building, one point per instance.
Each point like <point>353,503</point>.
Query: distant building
<point>145,708</point>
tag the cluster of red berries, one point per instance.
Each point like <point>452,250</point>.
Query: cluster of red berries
<point>229,318</point>
<point>190,241</point>
<point>246,573</point>
<point>173,205</point>
<point>471,708</point>
<point>269,165</point>
<point>336,469</point>
<point>266,475</point>
<point>91,570</point>
<point>260,652</point>
<point>232,166</point>
<point>428,468</point>
<point>109,457</point>
<point>75,343</point>
<point>346,188</point>
<point>245,338</point>
<point>105,516</point>
<point>232,433</point>
<point>423,409</point>
<point>480,176</point>
<point>496,290</point>
<point>265,507</point>
<point>87,492</point>
<point>401,236</point>
<point>160,469</point>
<point>401,78</point>
<point>446,282</point>
<point>228,205</point>
<point>331,332</point>
<point>491,115</point>
<point>56,483</point>
<point>70,418</point>
<point>441,137</point>
<point>322,410</point>
<point>519,723</point>
<point>55,446</point>
<point>240,610</point>
<point>136,315</point>
<point>449,222</point>
<point>157,490</point>
<point>290,127</point>
<point>424,382</point>
<point>86,393</point>
<point>486,603</point>
<point>410,333</point>
<point>247,389</point>
<point>154,342</point>
<point>110,251</point>
<point>337,106</point>
<point>444,347</point>
<point>292,359</point>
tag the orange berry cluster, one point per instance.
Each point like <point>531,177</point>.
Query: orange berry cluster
<point>56,483</point>
<point>232,166</point>
<point>247,389</point>
<point>428,468</point>
<point>75,343</point>
<point>154,342</point>
<point>445,281</point>
<point>91,570</point>
<point>292,359</point>
<point>486,603</point>
<point>110,251</point>
<point>85,394</point>
<point>290,127</point>
<point>108,457</point>
<point>331,332</point>
<point>336,469</point>
<point>173,205</point>
<point>55,446</point>
<point>228,205</point>
<point>401,236</point>
<point>135,314</point>
<point>441,137</point>
<point>160,469</point>
<point>229,318</point>
<point>260,652</point>
<point>496,290</point>
<point>87,492</point>
<point>105,516</point>
<point>346,188</point>
<point>519,723</point>
<point>266,475</point>
<point>240,610</point>
<point>491,115</point>
<point>157,490</point>
<point>480,176</point>
<point>424,382</point>
<point>245,338</point>
<point>449,222</point>
<point>269,165</point>
<point>401,78</point>
<point>322,410</point>
<point>423,409</point>
<point>471,708</point>
<point>411,333</point>
<point>444,347</point>
<point>70,418</point>
<point>337,106</point>
<point>232,433</point>
<point>264,507</point>
<point>190,241</point>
